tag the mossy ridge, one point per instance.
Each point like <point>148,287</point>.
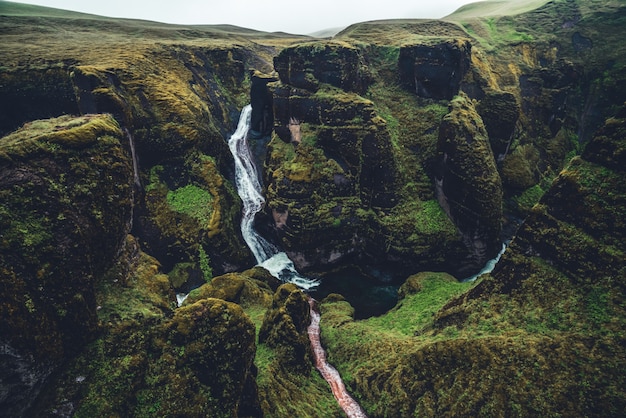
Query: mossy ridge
<point>153,360</point>
<point>284,390</point>
<point>51,134</point>
<point>395,374</point>
<point>397,32</point>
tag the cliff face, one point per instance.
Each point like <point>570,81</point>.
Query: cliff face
<point>58,238</point>
<point>469,186</point>
<point>321,183</point>
<point>552,310</point>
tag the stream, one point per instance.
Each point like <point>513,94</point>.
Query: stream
<point>276,261</point>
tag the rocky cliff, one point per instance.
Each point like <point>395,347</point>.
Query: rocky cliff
<point>393,149</point>
<point>552,310</point>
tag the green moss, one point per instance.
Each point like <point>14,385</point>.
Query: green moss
<point>529,198</point>
<point>205,265</point>
<point>431,219</point>
<point>65,131</point>
<point>416,309</point>
<point>597,304</point>
<point>193,201</point>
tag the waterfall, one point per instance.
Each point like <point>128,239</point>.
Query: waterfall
<point>249,189</point>
<point>133,154</point>
<point>275,261</point>
<point>489,265</point>
<point>136,179</point>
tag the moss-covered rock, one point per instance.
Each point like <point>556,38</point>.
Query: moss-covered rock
<point>66,188</point>
<point>499,112</point>
<point>205,364</point>
<point>152,360</point>
<point>469,184</point>
<point>319,188</point>
<point>240,288</point>
<point>336,63</point>
<point>285,327</point>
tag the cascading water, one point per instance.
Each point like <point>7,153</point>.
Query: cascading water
<point>249,190</point>
<point>275,261</point>
<point>133,154</point>
<point>489,266</point>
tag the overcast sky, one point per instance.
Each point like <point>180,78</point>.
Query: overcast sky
<point>292,16</point>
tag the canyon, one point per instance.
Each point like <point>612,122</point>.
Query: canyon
<point>421,147</point>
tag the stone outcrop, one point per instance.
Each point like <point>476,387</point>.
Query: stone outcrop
<point>343,165</point>
<point>336,63</point>
<point>149,356</point>
<point>435,71</point>
<point>469,185</point>
<point>285,328</point>
<point>66,188</point>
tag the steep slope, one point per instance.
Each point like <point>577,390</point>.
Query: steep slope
<point>147,156</point>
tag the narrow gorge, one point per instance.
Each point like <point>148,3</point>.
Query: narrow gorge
<point>275,261</point>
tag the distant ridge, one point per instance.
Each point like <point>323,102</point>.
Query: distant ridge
<point>494,8</point>
<point>11,9</point>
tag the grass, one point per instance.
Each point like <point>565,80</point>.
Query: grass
<point>494,8</point>
<point>416,311</point>
<point>193,201</point>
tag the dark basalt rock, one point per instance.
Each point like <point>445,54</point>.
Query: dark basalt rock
<point>338,64</point>
<point>262,119</point>
<point>66,198</point>
<point>315,198</point>
<point>434,71</point>
<point>608,147</point>
<point>35,94</point>
<point>499,112</point>
<point>469,185</point>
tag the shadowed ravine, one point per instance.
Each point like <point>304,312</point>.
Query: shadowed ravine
<point>276,261</point>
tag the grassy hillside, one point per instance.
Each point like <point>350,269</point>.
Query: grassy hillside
<point>494,8</point>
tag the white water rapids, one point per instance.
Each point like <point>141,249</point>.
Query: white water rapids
<point>275,261</point>
<point>249,190</point>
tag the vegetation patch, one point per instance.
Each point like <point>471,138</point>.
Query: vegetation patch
<point>193,201</point>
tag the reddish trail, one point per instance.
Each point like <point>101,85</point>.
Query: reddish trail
<point>346,402</point>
